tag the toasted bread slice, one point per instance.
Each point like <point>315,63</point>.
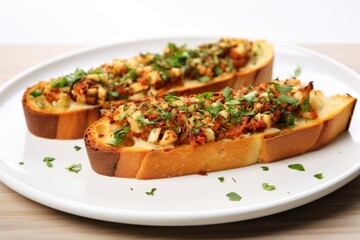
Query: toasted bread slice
<point>136,158</point>
<point>69,115</point>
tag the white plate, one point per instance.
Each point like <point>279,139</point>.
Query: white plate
<point>189,200</point>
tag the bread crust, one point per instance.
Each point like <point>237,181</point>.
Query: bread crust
<point>71,124</point>
<point>262,147</point>
<point>58,125</point>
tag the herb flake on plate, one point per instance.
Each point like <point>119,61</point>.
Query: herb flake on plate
<point>74,168</point>
<point>48,161</point>
<point>233,196</point>
<point>221,179</point>
<point>319,176</point>
<point>77,148</point>
<point>268,187</point>
<point>151,192</point>
<point>265,168</point>
<point>297,167</point>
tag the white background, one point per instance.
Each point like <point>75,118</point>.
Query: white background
<point>100,21</point>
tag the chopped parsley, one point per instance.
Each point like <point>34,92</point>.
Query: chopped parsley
<point>306,105</point>
<point>21,163</point>
<point>233,179</point>
<point>143,121</point>
<point>68,80</point>
<point>288,99</point>
<point>218,71</point>
<point>172,47</point>
<point>319,176</point>
<point>287,119</point>
<point>283,88</point>
<point>214,110</point>
<point>297,72</point>
<point>265,168</point>
<point>233,196</point>
<point>77,148</point>
<point>48,161</point>
<point>297,167</point>
<point>113,94</point>
<point>36,93</point>
<point>226,93</point>
<point>163,72</point>
<point>221,179</point>
<point>169,98</point>
<point>119,135</point>
<point>268,187</point>
<point>151,192</point>
<point>204,79</point>
<point>205,95</point>
<point>123,115</point>
<point>251,97</point>
<point>74,168</point>
<point>95,71</point>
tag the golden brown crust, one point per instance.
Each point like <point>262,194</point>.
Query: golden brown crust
<point>138,163</point>
<point>58,125</point>
<point>72,124</point>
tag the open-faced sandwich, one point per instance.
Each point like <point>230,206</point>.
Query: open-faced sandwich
<point>64,107</point>
<point>179,135</point>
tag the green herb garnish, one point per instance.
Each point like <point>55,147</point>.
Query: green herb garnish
<point>250,97</point>
<point>306,105</point>
<point>268,187</point>
<point>119,135</point>
<point>283,88</point>
<point>142,120</point>
<point>233,196</point>
<point>113,94</point>
<point>123,115</point>
<point>297,72</point>
<point>204,79</point>
<point>265,168</point>
<point>95,71</point>
<point>77,148</point>
<point>288,99</point>
<point>151,192</point>
<point>169,98</point>
<point>229,64</point>
<point>214,110</point>
<point>21,163</point>
<point>221,179</point>
<point>162,71</point>
<point>205,95</point>
<point>48,161</point>
<point>68,80</point>
<point>319,176</point>
<point>74,168</point>
<point>287,119</point>
<point>172,47</point>
<point>297,166</point>
<point>226,93</point>
<point>36,93</point>
<point>218,71</point>
<point>232,102</point>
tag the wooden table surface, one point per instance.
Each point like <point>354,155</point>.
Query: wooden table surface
<point>336,216</point>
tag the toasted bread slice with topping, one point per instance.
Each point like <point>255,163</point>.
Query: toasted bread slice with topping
<point>176,136</point>
<point>64,107</point>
